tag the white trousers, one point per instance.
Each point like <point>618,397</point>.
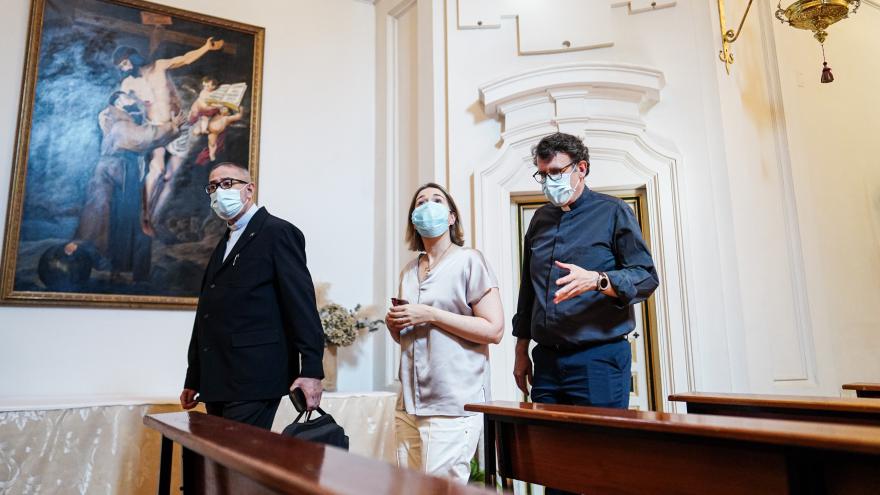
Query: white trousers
<point>438,445</point>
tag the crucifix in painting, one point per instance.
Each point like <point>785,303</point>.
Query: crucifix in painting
<point>130,104</point>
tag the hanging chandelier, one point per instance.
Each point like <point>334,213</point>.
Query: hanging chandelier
<point>812,15</point>
<point>816,16</point>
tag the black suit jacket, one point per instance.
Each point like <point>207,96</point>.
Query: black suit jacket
<point>256,317</point>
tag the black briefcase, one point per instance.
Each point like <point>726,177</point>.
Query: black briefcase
<point>322,429</point>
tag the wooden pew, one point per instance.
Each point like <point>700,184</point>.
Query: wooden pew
<point>222,456</point>
<point>822,409</point>
<point>596,450</point>
<point>864,390</point>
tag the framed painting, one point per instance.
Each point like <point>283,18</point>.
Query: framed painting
<point>126,107</point>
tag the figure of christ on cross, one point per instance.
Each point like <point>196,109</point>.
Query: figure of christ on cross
<point>150,82</point>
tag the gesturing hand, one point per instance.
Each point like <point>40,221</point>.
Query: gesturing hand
<point>575,283</point>
<point>400,317</point>
<point>312,389</point>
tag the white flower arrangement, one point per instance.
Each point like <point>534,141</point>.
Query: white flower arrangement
<point>342,325</point>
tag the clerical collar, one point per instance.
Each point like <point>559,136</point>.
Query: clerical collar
<point>578,202</point>
<point>242,222</point>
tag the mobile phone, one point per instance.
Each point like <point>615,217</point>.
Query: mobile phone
<point>398,302</point>
<point>299,399</point>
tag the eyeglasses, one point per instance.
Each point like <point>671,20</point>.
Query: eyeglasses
<point>541,177</point>
<point>224,183</point>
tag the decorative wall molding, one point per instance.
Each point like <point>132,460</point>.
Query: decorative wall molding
<point>604,103</point>
<point>479,14</point>
<point>548,26</point>
<point>553,26</point>
<point>802,326</point>
<point>592,77</point>
<point>642,6</point>
<point>394,232</point>
<point>412,120</point>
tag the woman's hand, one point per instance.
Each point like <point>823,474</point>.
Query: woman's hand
<point>393,328</point>
<point>400,317</point>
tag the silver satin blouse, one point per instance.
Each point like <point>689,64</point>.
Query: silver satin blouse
<point>441,372</point>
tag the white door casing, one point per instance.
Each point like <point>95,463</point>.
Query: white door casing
<point>603,103</point>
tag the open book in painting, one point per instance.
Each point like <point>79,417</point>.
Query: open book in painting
<point>229,95</point>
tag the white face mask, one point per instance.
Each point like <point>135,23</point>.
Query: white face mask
<point>559,191</point>
<point>226,203</point>
<point>431,219</point>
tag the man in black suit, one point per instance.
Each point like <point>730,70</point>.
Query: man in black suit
<point>256,315</point>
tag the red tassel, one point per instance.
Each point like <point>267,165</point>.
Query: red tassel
<point>827,76</point>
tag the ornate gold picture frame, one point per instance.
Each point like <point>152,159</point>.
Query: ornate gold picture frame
<point>125,108</point>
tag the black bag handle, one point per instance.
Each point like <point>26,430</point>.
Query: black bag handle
<point>309,415</point>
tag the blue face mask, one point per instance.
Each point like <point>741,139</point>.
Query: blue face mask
<point>431,219</point>
<point>226,203</point>
<point>559,191</point>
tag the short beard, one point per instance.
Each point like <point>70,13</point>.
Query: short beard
<point>136,62</point>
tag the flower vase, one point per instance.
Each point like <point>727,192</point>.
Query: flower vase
<point>329,362</point>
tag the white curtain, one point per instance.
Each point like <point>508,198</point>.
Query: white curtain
<point>107,450</point>
<point>94,450</point>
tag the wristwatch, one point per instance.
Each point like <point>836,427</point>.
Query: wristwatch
<point>603,283</point>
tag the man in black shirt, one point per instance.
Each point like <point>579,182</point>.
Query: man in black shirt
<point>584,265</point>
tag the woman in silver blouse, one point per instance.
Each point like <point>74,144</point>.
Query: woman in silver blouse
<point>447,313</point>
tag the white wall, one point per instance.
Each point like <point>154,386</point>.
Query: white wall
<point>832,131</point>
<point>779,178</point>
<point>824,155</point>
<point>317,167</point>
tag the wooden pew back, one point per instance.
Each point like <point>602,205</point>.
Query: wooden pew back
<point>585,449</point>
<point>222,456</point>
<point>820,409</point>
<point>864,390</point>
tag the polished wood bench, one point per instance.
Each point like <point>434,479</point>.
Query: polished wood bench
<point>597,450</point>
<point>222,456</point>
<point>822,409</point>
<point>864,390</point>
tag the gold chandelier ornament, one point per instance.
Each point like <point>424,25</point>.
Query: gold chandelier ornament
<point>813,15</point>
<point>816,16</point>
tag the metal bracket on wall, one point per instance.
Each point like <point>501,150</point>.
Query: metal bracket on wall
<point>728,36</point>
